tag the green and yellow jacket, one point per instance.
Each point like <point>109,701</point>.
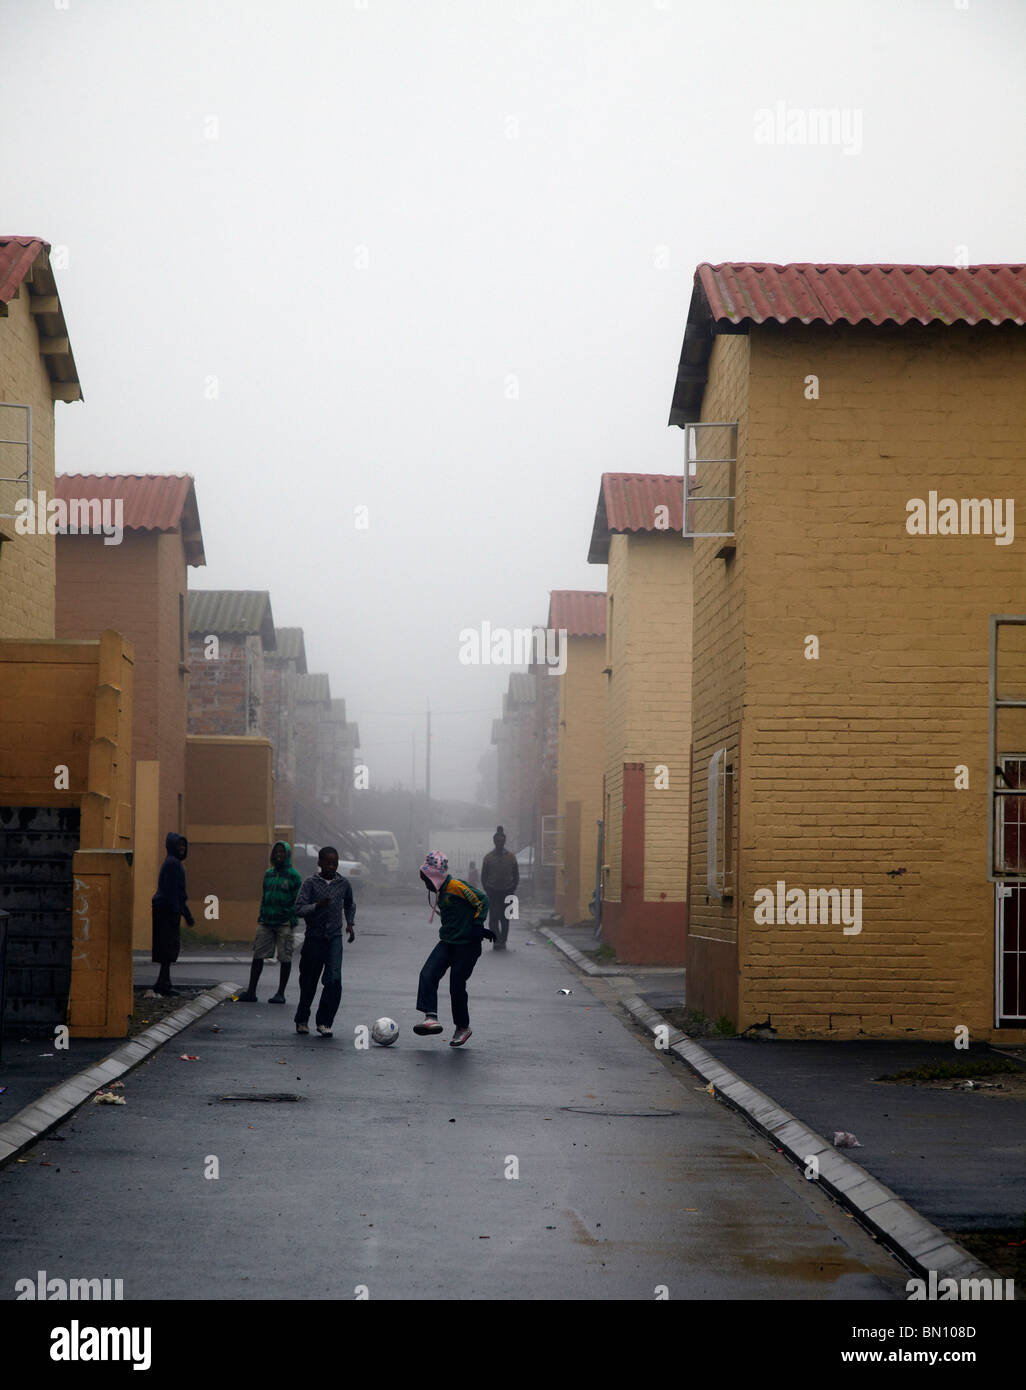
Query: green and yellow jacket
<point>463,911</point>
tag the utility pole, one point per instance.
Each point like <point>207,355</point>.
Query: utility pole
<point>411,842</point>
<point>427,784</point>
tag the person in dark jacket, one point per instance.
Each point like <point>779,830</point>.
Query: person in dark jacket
<point>500,874</point>
<point>276,922</point>
<point>324,901</point>
<point>169,906</point>
<point>464,924</point>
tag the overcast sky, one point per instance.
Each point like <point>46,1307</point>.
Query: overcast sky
<point>438,256</point>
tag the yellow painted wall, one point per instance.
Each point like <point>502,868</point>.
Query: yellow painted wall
<point>847,763</point>
<point>69,704</point>
<point>26,562</point>
<point>718,676</point>
<point>101,999</point>
<point>148,846</point>
<point>618,619</point>
<point>649,701</point>
<point>581,722</point>
<point>230,831</point>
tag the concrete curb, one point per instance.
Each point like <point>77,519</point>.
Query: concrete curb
<point>917,1242</point>
<point>30,1124</point>
<point>590,968</point>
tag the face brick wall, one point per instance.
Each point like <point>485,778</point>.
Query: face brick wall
<point>226,693</point>
<point>649,704</point>
<point>134,588</point>
<point>717,686</point>
<point>26,562</point>
<point>848,762</point>
<point>279,717</point>
<point>582,711</point>
<point>618,619</point>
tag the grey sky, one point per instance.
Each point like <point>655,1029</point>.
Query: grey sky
<point>407,205</point>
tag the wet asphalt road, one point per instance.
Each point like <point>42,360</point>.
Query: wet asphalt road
<point>390,1172</point>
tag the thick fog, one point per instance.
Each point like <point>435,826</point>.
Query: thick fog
<point>433,259</point>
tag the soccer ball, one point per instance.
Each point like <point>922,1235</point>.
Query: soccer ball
<point>385,1032</point>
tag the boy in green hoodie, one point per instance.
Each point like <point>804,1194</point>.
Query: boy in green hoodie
<point>276,922</point>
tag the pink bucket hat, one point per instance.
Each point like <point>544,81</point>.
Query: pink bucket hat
<point>435,869</point>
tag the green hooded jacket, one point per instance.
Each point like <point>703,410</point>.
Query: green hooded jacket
<point>281,887</point>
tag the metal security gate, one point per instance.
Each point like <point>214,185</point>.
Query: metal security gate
<point>1011,897</point>
<point>36,888</point>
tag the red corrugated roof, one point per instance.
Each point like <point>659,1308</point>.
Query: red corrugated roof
<point>630,502</point>
<point>739,292</point>
<point>150,502</point>
<point>729,298</point>
<point>17,254</point>
<point>632,498</point>
<point>582,612</point>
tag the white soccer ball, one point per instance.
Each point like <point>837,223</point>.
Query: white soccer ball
<point>385,1032</point>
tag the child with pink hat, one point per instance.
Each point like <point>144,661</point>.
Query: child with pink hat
<point>464,925</point>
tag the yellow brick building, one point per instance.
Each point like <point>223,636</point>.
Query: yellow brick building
<point>841,884</point>
<point>65,708</point>
<point>36,368</point>
<point>637,534</point>
<point>581,720</point>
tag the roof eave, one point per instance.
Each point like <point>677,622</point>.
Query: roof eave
<point>54,343</point>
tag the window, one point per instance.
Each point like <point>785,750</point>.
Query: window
<point>720,827</point>
<point>710,484</point>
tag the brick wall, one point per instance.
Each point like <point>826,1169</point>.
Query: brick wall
<point>220,689</point>
<point>649,709</point>
<point>26,562</point>
<point>718,677</point>
<point>848,762</point>
<point>279,719</point>
<point>134,588</point>
<point>582,722</point>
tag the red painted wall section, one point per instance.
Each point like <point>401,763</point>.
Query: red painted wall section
<point>640,932</point>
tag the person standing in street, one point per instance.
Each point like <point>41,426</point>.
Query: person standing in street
<point>276,922</point>
<point>325,903</point>
<point>464,917</point>
<point>500,874</point>
<point>169,906</point>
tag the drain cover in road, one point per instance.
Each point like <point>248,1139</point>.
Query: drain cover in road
<point>264,1096</point>
<point>620,1114</point>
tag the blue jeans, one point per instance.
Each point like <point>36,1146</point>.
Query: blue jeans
<point>320,959</point>
<point>460,962</point>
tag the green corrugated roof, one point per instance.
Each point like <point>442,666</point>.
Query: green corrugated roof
<point>521,688</point>
<point>246,611</point>
<point>314,687</point>
<point>291,647</point>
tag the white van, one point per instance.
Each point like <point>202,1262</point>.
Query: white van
<point>387,846</point>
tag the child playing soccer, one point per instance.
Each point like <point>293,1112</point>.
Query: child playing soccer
<point>464,917</point>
